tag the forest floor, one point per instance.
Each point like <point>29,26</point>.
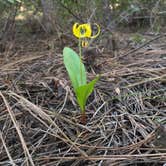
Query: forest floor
<point>126,114</point>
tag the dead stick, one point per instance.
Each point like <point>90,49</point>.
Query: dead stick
<point>143,45</point>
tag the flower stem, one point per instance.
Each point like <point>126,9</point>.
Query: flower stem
<point>83,114</point>
<point>80,55</point>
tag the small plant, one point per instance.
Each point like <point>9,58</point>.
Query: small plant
<point>76,69</point>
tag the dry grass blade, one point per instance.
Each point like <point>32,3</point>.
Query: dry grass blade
<point>145,81</point>
<point>12,116</point>
<point>45,116</point>
<point>7,151</point>
<point>20,61</point>
<point>126,113</point>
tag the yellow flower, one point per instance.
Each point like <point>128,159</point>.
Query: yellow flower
<point>98,32</point>
<point>84,30</point>
<point>84,43</point>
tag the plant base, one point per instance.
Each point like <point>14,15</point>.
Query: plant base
<point>83,118</point>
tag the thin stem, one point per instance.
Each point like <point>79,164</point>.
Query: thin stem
<point>80,54</point>
<point>83,114</point>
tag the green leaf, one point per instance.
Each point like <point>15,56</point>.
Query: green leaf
<point>75,67</point>
<point>84,91</point>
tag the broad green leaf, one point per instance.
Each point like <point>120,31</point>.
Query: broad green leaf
<point>75,68</point>
<point>84,91</point>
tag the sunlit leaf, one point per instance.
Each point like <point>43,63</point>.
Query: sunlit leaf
<point>84,91</point>
<point>75,67</point>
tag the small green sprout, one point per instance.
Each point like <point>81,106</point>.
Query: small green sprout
<point>76,69</point>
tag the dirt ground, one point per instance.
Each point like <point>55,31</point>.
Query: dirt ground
<point>126,114</point>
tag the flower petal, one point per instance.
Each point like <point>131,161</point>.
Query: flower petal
<point>86,29</point>
<point>75,30</point>
<point>98,32</point>
<point>82,30</point>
